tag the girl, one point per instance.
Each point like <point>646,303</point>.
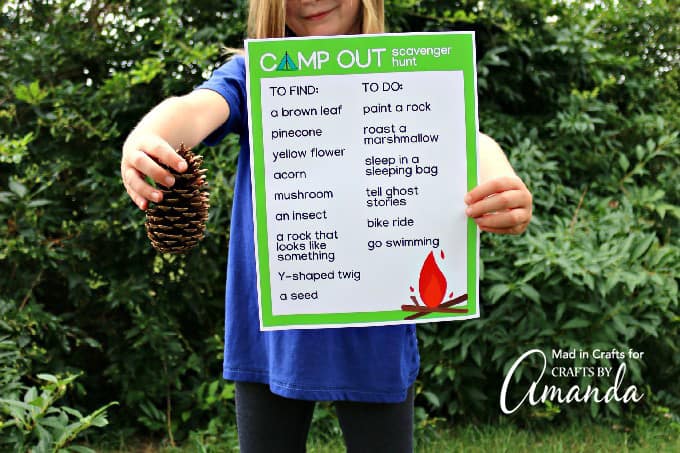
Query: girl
<point>368,372</point>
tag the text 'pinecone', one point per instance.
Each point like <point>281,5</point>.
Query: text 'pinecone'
<point>177,223</point>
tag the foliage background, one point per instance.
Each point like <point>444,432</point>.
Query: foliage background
<point>583,96</point>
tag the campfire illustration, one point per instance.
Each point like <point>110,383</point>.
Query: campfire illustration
<point>432,290</point>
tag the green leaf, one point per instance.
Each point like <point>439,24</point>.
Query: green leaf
<point>6,197</point>
<point>30,395</point>
<point>48,377</point>
<point>476,356</point>
<point>31,93</point>
<point>450,343</point>
<point>576,323</point>
<point>18,409</point>
<point>37,402</point>
<point>81,449</point>
<point>530,292</point>
<point>642,247</point>
<point>45,440</point>
<point>590,308</point>
<point>100,421</point>
<point>18,188</point>
<point>498,352</point>
<point>38,203</point>
<point>71,411</point>
<point>497,291</point>
<point>431,398</point>
<point>56,423</point>
<point>618,324</point>
<point>614,407</point>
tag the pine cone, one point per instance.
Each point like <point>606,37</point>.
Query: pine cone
<point>177,223</point>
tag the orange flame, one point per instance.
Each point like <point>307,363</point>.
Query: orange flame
<point>432,283</point>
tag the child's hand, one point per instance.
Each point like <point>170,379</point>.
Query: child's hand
<point>500,205</point>
<point>185,119</point>
<point>141,153</point>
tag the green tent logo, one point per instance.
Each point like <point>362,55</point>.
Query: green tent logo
<point>287,64</point>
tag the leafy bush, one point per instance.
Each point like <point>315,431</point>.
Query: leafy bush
<point>29,418</point>
<point>583,98</point>
<point>586,108</point>
<point>80,282</point>
<point>35,424</point>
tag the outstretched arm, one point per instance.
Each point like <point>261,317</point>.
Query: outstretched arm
<point>186,119</point>
<point>501,203</point>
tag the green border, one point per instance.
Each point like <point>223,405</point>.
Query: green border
<point>462,58</point>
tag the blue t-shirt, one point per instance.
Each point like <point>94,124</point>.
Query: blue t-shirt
<point>371,364</point>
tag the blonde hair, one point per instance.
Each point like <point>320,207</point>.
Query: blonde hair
<point>267,18</point>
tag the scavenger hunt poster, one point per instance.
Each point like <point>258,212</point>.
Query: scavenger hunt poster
<point>362,151</point>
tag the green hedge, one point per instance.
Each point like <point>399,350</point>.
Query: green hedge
<point>583,98</point>
<point>585,101</point>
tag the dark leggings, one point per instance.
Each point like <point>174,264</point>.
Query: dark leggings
<point>269,423</point>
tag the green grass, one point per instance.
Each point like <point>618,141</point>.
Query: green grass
<point>500,439</point>
<point>574,438</point>
<point>648,436</point>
